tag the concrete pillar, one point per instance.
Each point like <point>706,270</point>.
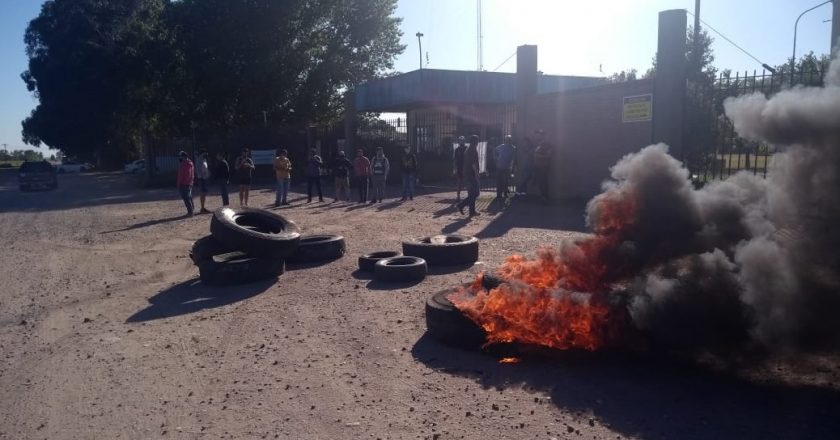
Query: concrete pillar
<point>349,121</point>
<point>526,88</point>
<point>835,26</point>
<point>669,83</point>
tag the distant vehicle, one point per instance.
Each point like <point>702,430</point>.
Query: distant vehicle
<point>37,175</point>
<point>138,166</point>
<point>74,167</point>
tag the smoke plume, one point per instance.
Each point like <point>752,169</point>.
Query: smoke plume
<point>757,259</point>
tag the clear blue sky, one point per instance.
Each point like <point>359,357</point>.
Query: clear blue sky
<point>574,37</point>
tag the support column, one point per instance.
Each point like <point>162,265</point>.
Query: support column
<point>669,83</point>
<point>526,88</point>
<point>349,121</point>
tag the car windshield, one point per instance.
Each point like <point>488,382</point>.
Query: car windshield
<point>35,167</point>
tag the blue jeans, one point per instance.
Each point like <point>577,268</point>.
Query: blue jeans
<point>408,180</point>
<point>186,194</point>
<point>223,188</point>
<point>282,191</point>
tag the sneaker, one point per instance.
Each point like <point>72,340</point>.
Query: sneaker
<point>321,200</point>
<point>205,211</point>
<point>285,203</point>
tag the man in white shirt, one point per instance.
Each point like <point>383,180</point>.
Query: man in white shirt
<point>202,175</point>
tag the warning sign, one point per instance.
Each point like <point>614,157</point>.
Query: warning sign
<point>637,108</point>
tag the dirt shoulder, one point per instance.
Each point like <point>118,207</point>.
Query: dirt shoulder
<point>106,333</point>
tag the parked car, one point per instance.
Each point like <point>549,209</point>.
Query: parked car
<point>74,167</point>
<point>138,166</point>
<point>37,175</point>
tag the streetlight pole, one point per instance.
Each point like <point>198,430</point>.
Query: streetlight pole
<point>420,43</point>
<point>795,28</point>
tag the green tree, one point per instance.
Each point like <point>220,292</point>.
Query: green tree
<point>101,71</point>
<point>290,58</point>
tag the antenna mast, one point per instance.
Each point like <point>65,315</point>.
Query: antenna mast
<point>479,38</point>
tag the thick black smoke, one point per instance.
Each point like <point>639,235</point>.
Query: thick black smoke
<point>747,259</point>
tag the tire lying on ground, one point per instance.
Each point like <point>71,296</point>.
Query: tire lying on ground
<point>206,247</point>
<point>399,269</point>
<point>443,250</point>
<point>448,325</point>
<point>255,231</point>
<point>315,248</point>
<point>367,262</point>
<point>238,268</point>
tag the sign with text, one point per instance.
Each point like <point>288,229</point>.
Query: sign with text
<point>263,157</point>
<point>637,108</point>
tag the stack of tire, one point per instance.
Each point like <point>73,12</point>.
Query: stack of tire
<point>419,253</point>
<point>249,244</point>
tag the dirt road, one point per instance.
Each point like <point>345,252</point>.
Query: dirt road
<point>105,333</point>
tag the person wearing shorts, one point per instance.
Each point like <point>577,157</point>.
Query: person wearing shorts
<point>244,172</point>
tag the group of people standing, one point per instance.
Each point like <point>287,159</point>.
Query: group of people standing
<point>366,173</point>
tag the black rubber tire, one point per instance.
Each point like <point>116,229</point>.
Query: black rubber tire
<point>315,248</point>
<point>449,326</point>
<point>367,262</point>
<point>400,269</point>
<point>206,247</point>
<point>255,231</point>
<point>457,250</point>
<point>238,268</point>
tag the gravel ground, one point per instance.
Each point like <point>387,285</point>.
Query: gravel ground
<point>105,333</point>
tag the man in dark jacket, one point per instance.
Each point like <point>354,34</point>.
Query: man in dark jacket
<point>341,172</point>
<point>471,176</point>
<point>408,166</point>
<point>222,175</point>
<point>313,175</point>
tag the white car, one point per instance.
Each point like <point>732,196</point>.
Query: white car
<point>138,166</point>
<point>74,167</point>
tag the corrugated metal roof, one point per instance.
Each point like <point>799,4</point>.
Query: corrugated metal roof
<point>425,87</point>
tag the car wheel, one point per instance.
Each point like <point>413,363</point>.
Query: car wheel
<point>238,268</point>
<point>255,231</point>
<point>399,269</point>
<point>367,262</point>
<point>448,325</point>
<point>443,250</point>
<point>315,248</point>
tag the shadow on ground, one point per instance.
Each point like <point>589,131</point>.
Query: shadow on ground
<point>526,213</point>
<point>652,398</point>
<point>192,296</point>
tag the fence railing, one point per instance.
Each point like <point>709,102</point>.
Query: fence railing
<point>713,148</point>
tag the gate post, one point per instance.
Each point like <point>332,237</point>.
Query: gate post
<point>526,88</point>
<point>669,82</point>
<point>349,121</point>
<point>835,28</point>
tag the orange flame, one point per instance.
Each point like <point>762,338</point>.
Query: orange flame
<point>510,360</point>
<point>559,299</point>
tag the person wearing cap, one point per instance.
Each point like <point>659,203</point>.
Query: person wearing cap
<point>505,156</point>
<point>202,175</point>
<point>471,176</point>
<point>244,172</point>
<point>283,171</point>
<point>341,173</point>
<point>458,168</point>
<point>361,173</point>
<point>186,175</point>
<point>313,175</point>
<point>379,174</point>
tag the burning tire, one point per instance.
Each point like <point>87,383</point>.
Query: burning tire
<point>238,268</point>
<point>206,247</point>
<point>398,269</point>
<point>448,325</point>
<point>367,262</point>
<point>315,248</point>
<point>443,250</point>
<point>255,231</point>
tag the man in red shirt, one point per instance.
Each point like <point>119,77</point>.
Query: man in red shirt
<point>361,172</point>
<point>186,175</point>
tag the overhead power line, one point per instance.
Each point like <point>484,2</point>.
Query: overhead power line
<point>765,65</point>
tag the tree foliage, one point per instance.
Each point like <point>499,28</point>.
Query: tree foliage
<point>20,155</point>
<point>108,74</point>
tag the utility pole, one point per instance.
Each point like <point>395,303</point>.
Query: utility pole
<point>835,27</point>
<point>479,38</point>
<point>698,57</point>
<point>265,118</point>
<point>420,44</point>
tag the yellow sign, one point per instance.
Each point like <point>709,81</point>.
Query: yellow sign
<point>637,108</point>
